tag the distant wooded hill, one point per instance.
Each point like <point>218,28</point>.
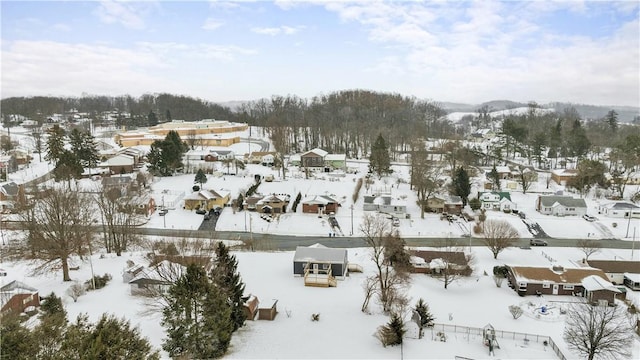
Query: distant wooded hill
<point>587,112</point>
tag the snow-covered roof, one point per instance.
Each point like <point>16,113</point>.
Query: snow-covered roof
<point>165,271</point>
<point>632,277</point>
<point>556,275</point>
<point>335,157</point>
<point>567,201</point>
<point>595,283</point>
<point>318,200</point>
<point>317,151</point>
<point>332,255</point>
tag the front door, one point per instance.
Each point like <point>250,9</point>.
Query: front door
<point>315,268</point>
<point>555,289</point>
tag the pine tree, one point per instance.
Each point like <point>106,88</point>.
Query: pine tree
<point>197,318</point>
<point>495,178</point>
<point>226,277</point>
<point>201,178</point>
<point>68,167</point>
<point>461,185</point>
<point>51,305</point>
<point>379,162</point>
<point>393,332</point>
<point>424,316</point>
<point>55,144</point>
<point>152,118</point>
<point>17,341</point>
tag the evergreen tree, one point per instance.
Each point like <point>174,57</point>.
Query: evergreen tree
<point>393,332</point>
<point>55,144</point>
<point>109,338</point>
<point>168,115</point>
<point>197,318</point>
<point>460,184</point>
<point>495,178</point>
<point>612,120</point>
<point>165,156</point>
<point>226,277</point>
<point>68,167</point>
<point>201,178</point>
<point>425,317</point>
<point>152,118</point>
<point>17,342</point>
<point>51,305</point>
<point>89,150</point>
<point>379,162</point>
<point>579,143</point>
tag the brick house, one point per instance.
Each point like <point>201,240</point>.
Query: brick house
<point>598,291</point>
<point>556,280</point>
<point>16,297</point>
<point>430,262</point>
<point>319,204</point>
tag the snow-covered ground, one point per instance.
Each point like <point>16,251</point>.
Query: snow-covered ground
<point>343,330</point>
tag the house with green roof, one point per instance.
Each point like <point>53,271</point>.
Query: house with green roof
<point>559,205</point>
<point>496,200</point>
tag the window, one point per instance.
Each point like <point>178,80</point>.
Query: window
<point>325,266</point>
<point>546,285</point>
<point>567,287</point>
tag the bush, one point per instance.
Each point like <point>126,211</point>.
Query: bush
<point>475,204</point>
<point>75,291</point>
<point>516,311</point>
<point>195,188</point>
<point>100,281</point>
<point>477,229</point>
<point>392,333</point>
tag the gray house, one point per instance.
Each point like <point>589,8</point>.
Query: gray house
<point>384,203</point>
<point>561,205</point>
<point>319,258</point>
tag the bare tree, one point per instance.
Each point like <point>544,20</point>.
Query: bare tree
<point>588,247</point>
<point>499,235</point>
<point>527,178</point>
<point>598,331</point>
<point>120,213</point>
<point>378,234</point>
<point>75,291</point>
<point>516,311</point>
<point>453,264</point>
<point>59,226</point>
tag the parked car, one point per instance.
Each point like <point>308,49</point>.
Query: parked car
<point>201,211</point>
<point>163,212</point>
<point>395,221</point>
<point>589,217</point>
<point>207,217</point>
<point>537,242</point>
<point>522,215</point>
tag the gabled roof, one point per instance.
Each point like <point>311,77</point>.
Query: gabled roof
<point>455,257</point>
<point>567,201</point>
<point>207,195</point>
<point>332,255</point>
<point>621,205</point>
<point>318,200</point>
<point>595,283</point>
<point>9,188</point>
<point>559,275</point>
<point>162,273</point>
<point>501,194</point>
<point>316,151</point>
<point>18,287</point>
<point>616,266</point>
<point>335,157</point>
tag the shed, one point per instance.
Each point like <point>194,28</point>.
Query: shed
<point>632,281</point>
<point>269,310</point>
<point>321,257</point>
<point>250,306</point>
<point>17,296</point>
<point>599,291</point>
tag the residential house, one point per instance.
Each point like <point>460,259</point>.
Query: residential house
<point>207,199</point>
<point>10,193</point>
<point>451,204</point>
<point>556,280</point>
<point>255,157</point>
<point>561,176</point>
<point>273,204</point>
<point>295,160</point>
<point>204,261</point>
<point>21,156</point>
<point>8,164</point>
<point>319,204</point>
<point>433,262</point>
<point>634,178</point>
<point>559,205</point>
<point>620,209</point>
<point>336,161</point>
<point>313,159</point>
<point>249,202</point>
<point>156,279</point>
<point>119,164</point>
<point>122,183</point>
<point>496,200</point>
<point>615,269</point>
<point>317,259</point>
<point>16,297</point>
<point>268,160</point>
<point>385,203</point>
<point>131,272</point>
<point>599,291</point>
<point>483,134</point>
<point>144,204</point>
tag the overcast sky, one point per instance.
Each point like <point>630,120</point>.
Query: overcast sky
<point>581,52</point>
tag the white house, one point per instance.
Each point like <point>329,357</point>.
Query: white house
<point>496,201</point>
<point>561,205</point>
<point>619,209</point>
<point>268,160</point>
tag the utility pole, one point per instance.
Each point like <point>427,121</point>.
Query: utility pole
<point>351,219</point>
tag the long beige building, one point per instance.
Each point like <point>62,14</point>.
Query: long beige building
<point>207,132</point>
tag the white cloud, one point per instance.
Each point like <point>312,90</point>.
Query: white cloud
<point>273,31</point>
<point>212,24</point>
<point>28,67</point>
<point>126,13</point>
